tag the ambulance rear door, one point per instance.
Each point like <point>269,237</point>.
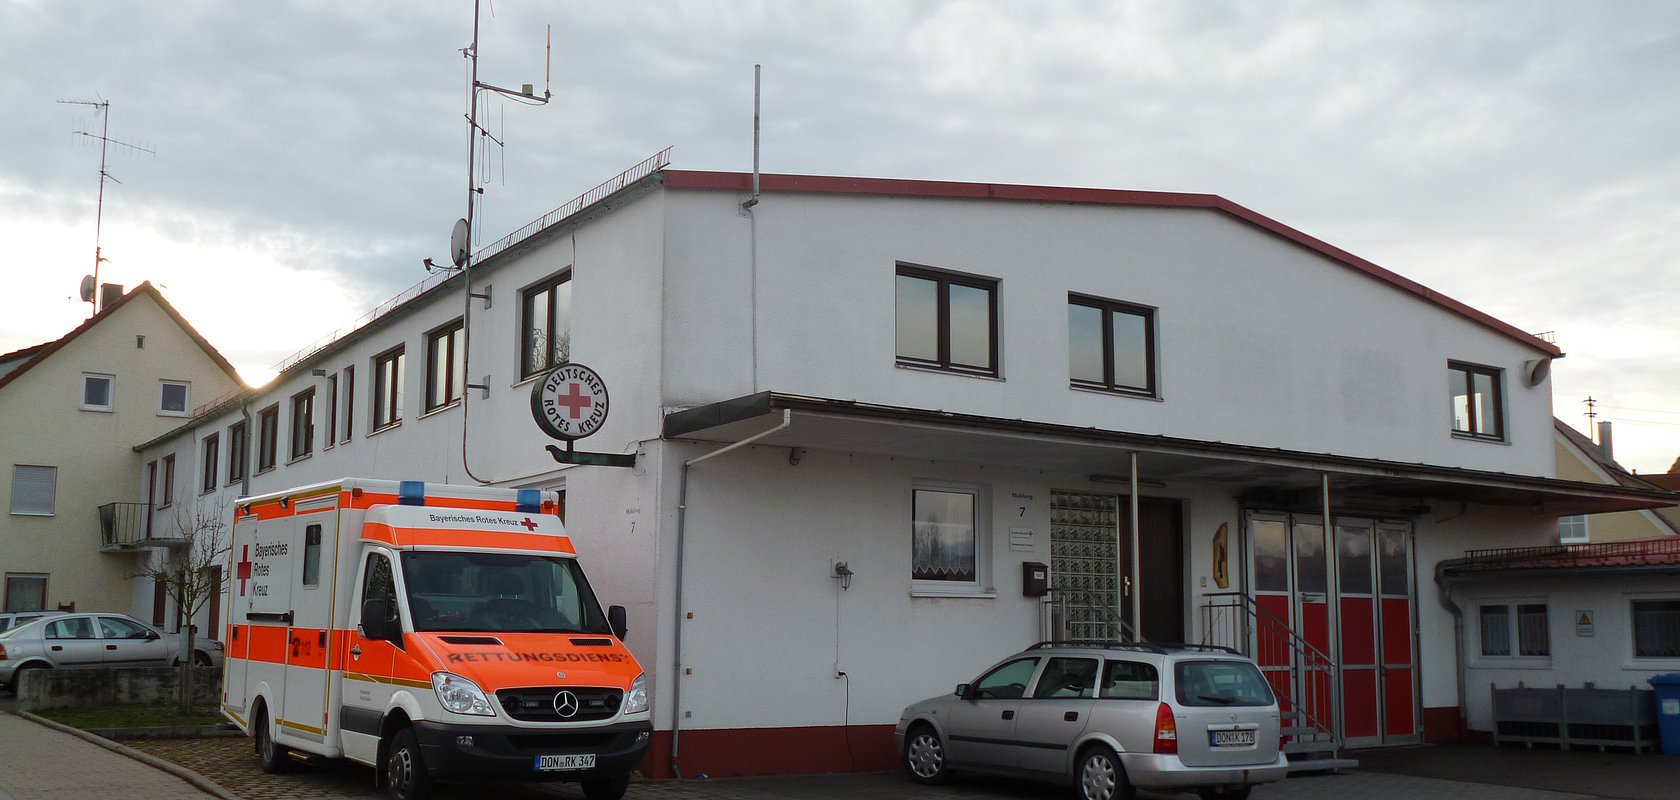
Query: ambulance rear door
<point>238,602</point>
<point>308,641</point>
<point>264,575</point>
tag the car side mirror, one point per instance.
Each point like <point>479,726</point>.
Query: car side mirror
<point>151,636</point>
<point>617,621</point>
<point>965,691</point>
<point>376,620</point>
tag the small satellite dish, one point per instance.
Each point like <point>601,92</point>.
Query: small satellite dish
<point>1536,370</point>
<point>87,288</point>
<point>458,243</point>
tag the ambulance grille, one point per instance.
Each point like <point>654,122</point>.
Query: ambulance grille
<point>537,704</point>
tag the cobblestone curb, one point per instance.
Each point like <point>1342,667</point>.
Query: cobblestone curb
<point>177,732</point>
<point>198,781</point>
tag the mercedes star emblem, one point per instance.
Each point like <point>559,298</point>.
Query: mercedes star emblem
<point>565,704</point>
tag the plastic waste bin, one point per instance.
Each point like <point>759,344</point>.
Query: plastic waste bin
<point>1668,710</point>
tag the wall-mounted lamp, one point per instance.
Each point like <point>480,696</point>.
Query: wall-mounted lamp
<point>844,573</point>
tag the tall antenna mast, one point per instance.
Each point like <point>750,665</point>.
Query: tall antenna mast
<point>1592,430</point>
<point>104,109</point>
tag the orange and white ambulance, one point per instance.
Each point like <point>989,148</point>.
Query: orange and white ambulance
<point>436,633</point>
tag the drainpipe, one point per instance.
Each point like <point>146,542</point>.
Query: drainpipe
<point>682,517</point>
<point>1136,577</point>
<point>245,448</point>
<point>1443,592</point>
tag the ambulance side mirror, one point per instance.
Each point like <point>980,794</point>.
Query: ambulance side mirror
<point>616,621</point>
<point>377,623</point>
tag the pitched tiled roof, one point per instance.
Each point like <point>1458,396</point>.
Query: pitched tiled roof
<point>44,351</point>
<point>1633,554</point>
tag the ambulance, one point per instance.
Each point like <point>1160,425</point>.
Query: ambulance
<point>439,634</point>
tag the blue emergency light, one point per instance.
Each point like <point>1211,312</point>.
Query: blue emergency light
<point>411,493</point>
<point>529,501</point>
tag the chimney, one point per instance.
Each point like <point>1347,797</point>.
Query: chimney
<point>109,293</point>
<point>1604,442</point>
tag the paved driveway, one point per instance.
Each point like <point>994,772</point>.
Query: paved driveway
<point>231,763</point>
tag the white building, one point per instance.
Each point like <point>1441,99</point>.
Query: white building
<point>936,384</point>
<point>75,531</point>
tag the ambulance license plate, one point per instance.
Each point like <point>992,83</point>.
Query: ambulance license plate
<point>562,763</point>
<point>1232,738</point>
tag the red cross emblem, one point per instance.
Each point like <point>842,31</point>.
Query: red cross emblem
<point>574,400</point>
<point>529,525</point>
<point>244,568</point>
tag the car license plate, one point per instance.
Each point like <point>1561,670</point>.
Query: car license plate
<point>1232,738</point>
<point>562,763</point>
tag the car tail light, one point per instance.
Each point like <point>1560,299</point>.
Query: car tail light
<point>1166,731</point>
<point>2,652</point>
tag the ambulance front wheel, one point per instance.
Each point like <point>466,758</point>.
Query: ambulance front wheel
<point>405,772</point>
<point>611,788</point>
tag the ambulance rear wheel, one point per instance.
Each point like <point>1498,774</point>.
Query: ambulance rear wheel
<point>611,788</point>
<point>272,757</point>
<point>405,773</point>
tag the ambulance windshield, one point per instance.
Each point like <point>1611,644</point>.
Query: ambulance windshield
<point>500,592</point>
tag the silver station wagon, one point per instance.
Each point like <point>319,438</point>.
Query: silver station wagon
<point>1108,717</point>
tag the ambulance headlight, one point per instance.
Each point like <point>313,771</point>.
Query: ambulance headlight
<point>460,695</point>
<point>636,700</point>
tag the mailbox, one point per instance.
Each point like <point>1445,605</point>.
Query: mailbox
<point>1035,579</point>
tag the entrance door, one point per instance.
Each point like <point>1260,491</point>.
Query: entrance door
<point>1394,620</point>
<point>1090,565</point>
<point>1361,685</point>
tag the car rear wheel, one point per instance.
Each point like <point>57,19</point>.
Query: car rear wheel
<point>611,788</point>
<point>1099,776</point>
<point>924,755</point>
<point>1225,793</point>
<point>201,659</point>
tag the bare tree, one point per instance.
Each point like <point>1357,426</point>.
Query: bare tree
<point>193,576</point>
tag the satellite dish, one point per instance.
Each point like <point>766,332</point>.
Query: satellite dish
<point>1536,370</point>
<point>87,288</point>
<point>458,243</point>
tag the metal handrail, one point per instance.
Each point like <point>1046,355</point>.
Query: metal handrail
<point>1061,598</point>
<point>1307,663</point>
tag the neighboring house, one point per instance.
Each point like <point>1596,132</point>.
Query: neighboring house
<point>941,384</point>
<point>74,531</point>
<point>1581,459</point>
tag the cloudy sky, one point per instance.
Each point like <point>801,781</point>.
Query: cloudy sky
<point>1523,157</point>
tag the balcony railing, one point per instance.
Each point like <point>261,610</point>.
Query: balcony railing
<point>125,526</point>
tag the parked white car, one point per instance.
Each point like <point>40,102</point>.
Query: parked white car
<point>94,640</point>
<point>13,619</point>
<point>1107,718</point>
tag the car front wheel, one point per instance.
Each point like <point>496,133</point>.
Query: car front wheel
<point>1099,776</point>
<point>924,756</point>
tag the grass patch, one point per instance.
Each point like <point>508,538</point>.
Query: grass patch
<point>131,716</point>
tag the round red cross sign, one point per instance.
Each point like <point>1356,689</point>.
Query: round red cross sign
<point>570,402</point>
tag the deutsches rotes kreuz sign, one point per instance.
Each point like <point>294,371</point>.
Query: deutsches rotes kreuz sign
<point>570,402</point>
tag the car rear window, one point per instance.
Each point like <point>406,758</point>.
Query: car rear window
<point>1221,683</point>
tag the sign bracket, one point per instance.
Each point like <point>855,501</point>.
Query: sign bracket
<point>572,456</point>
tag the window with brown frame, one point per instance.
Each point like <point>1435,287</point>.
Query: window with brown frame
<point>236,452</point>
<point>946,321</point>
<point>349,402</point>
<point>388,388</point>
<point>1477,401</point>
<point>545,335</point>
<point>445,365</point>
<point>212,452</point>
<point>303,423</point>
<point>1111,345</point>
<point>332,413</point>
<point>268,436</point>
<point>168,480</point>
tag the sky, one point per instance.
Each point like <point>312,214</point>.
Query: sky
<point>1522,157</point>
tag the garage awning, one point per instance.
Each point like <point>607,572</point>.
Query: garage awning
<point>1272,476</point>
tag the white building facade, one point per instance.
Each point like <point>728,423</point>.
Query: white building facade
<point>941,385</point>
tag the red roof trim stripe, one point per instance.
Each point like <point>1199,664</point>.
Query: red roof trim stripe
<point>820,184</point>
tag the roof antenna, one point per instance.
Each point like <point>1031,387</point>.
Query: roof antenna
<point>1592,430</point>
<point>753,201</point>
<point>90,284</point>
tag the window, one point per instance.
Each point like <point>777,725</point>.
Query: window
<point>332,412</point>
<point>545,339</point>
<point>303,423</point>
<point>1067,679</point>
<point>1531,635</point>
<point>1656,628</point>
<point>96,392</point>
<point>34,490</point>
<point>1573,530</point>
<point>947,321</point>
<point>268,436</point>
<point>119,628</point>
<point>1007,682</point>
<point>26,592</point>
<point>1221,684</point>
<point>1111,345</point>
<point>236,452</point>
<point>312,555</point>
<point>349,401</point>
<point>72,628</point>
<point>212,451</point>
<point>172,398</point>
<point>948,553</point>
<point>1130,680</point>
<point>445,365</point>
<point>1477,405</point>
<point>388,388</point>
<point>378,584</point>
<point>168,480</point>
